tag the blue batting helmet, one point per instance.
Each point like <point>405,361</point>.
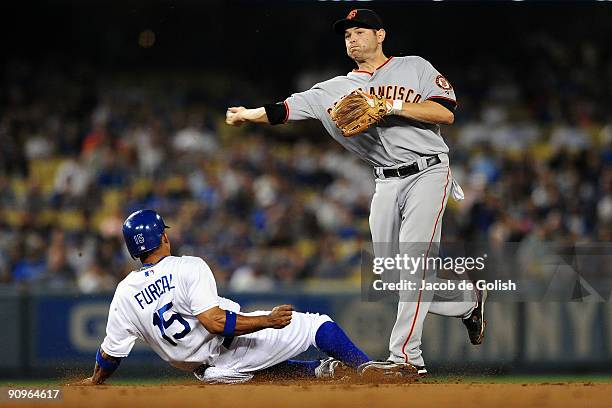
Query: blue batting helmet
<point>142,232</point>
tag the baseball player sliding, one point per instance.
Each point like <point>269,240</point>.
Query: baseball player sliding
<point>389,112</point>
<point>171,303</point>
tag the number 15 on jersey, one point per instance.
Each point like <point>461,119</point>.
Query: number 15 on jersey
<point>163,324</point>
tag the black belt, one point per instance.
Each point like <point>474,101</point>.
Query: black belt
<point>227,341</point>
<point>410,169</point>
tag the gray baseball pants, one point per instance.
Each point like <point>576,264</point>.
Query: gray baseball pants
<point>406,218</point>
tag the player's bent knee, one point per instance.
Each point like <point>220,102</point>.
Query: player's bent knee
<point>319,321</point>
<point>310,322</point>
<point>322,318</point>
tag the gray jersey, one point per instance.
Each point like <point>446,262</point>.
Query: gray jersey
<point>396,139</point>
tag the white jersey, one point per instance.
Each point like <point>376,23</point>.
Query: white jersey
<point>158,304</point>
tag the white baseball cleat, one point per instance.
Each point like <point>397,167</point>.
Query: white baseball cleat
<point>332,368</point>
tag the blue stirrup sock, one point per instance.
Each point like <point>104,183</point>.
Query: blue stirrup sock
<point>335,343</point>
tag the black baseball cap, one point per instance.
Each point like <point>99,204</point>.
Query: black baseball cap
<point>359,18</point>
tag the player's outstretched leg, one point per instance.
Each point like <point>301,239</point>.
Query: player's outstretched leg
<point>346,360</point>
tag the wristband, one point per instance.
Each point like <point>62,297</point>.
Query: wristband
<point>277,113</point>
<point>230,323</point>
<point>106,365</point>
<point>396,107</point>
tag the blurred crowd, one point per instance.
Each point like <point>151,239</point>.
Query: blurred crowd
<point>78,156</point>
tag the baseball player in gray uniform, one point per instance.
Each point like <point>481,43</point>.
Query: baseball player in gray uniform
<point>410,163</point>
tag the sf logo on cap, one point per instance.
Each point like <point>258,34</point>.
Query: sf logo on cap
<point>351,15</point>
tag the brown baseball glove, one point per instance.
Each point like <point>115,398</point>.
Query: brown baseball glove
<point>358,111</point>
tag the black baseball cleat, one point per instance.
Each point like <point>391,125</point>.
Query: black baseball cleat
<point>476,323</point>
<point>421,371</point>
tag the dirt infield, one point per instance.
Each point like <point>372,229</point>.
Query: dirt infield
<point>309,395</point>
